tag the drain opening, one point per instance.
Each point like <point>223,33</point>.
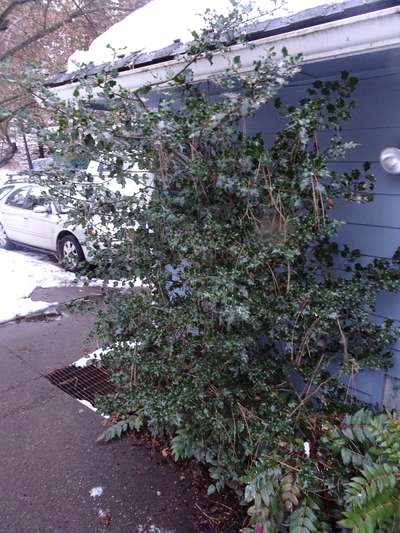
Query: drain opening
<point>82,383</point>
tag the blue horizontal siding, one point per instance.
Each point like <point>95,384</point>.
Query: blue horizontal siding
<point>386,183</point>
<point>373,228</point>
<point>370,240</point>
<point>383,212</point>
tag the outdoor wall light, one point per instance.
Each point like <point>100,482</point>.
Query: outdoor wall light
<point>390,160</point>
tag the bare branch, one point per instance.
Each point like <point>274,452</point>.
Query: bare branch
<point>11,6</point>
<point>12,147</point>
<point>9,100</point>
<point>43,33</point>
<point>46,9</point>
<point>25,25</point>
<point>84,14</point>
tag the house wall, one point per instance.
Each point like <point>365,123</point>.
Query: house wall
<point>374,228</point>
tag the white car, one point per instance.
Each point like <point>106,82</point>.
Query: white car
<point>29,216</point>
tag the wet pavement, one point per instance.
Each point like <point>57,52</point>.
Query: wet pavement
<point>49,460</point>
<point>64,294</point>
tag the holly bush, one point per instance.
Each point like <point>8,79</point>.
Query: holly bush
<point>250,314</point>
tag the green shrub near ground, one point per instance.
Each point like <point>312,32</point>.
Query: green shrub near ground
<point>244,328</point>
<point>352,473</point>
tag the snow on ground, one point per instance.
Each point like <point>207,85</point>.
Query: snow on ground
<point>152,529</point>
<point>157,24</point>
<point>96,491</point>
<point>22,271</point>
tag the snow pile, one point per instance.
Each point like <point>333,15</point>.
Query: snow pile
<point>157,24</point>
<point>20,161</point>
<point>84,361</point>
<point>21,272</point>
<point>152,529</point>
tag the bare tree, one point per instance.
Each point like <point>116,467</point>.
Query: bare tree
<point>50,31</point>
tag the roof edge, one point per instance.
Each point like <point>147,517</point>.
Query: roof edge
<point>290,30</point>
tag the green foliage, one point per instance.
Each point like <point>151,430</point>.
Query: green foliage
<point>250,314</point>
<point>369,502</point>
<point>131,422</point>
<point>374,494</point>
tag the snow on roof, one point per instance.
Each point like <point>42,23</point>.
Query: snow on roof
<point>161,22</point>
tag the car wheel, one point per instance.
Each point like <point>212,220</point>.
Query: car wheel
<point>5,242</point>
<point>71,253</point>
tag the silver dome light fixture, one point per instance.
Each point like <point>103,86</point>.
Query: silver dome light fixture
<point>390,160</point>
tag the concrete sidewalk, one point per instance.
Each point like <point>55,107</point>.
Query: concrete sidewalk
<point>49,460</point>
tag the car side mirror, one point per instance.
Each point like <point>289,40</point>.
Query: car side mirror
<point>41,209</point>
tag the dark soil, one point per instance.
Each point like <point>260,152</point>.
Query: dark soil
<point>220,512</point>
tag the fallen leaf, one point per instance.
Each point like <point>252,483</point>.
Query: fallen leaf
<point>164,452</point>
<point>107,519</point>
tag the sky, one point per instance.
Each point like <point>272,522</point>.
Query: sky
<point>159,23</point>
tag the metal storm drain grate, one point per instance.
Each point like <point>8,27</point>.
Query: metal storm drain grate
<point>83,383</point>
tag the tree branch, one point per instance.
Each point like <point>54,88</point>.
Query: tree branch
<point>44,32</point>
<point>87,18</point>
<point>10,99</point>
<point>11,6</point>
<point>11,151</point>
